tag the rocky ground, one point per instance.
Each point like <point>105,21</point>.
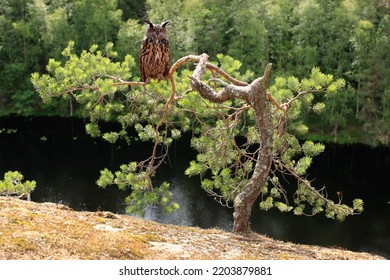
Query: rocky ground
<point>30,230</point>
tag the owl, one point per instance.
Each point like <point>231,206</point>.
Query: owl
<point>155,55</point>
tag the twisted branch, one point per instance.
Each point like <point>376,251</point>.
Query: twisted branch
<point>198,58</point>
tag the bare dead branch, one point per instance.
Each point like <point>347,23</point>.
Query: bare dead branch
<point>209,93</point>
<point>225,75</point>
<point>216,80</point>
<point>197,58</point>
<point>182,61</point>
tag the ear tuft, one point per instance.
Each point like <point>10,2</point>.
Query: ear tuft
<point>166,23</point>
<point>151,25</point>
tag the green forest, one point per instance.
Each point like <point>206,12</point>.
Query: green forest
<point>349,39</point>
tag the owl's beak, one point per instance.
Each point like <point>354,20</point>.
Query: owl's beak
<point>157,32</point>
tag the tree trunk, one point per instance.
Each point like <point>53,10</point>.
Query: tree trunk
<point>256,95</point>
<point>243,203</point>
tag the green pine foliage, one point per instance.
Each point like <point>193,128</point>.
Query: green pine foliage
<point>142,193</point>
<point>13,185</point>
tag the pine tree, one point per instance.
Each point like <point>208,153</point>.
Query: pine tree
<point>244,132</point>
<point>13,185</point>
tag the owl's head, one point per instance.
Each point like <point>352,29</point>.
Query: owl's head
<point>157,30</point>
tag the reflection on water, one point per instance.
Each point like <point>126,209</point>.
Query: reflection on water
<point>193,211</point>
<point>66,163</point>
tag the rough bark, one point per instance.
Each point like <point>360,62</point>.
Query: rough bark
<point>255,94</point>
<point>243,203</point>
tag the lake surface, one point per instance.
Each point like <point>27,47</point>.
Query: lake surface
<point>66,162</point>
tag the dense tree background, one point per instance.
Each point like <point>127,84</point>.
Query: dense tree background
<point>350,39</point>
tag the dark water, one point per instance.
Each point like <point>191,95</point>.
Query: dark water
<point>66,162</point>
